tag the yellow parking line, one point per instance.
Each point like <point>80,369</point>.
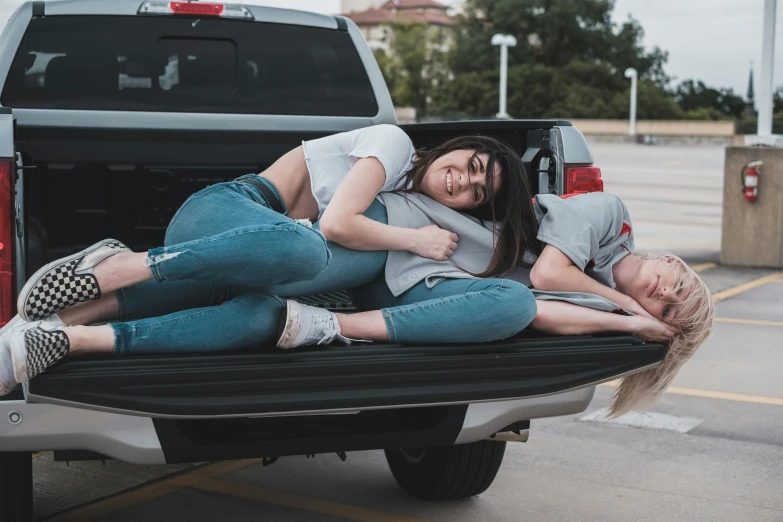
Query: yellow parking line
<point>710,394</point>
<point>744,287</point>
<point>727,396</point>
<point>704,266</point>
<point>291,500</point>
<point>757,322</point>
<point>126,499</point>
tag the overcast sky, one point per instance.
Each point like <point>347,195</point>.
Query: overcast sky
<point>710,40</point>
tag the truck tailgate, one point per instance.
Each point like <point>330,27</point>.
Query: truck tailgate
<point>268,382</point>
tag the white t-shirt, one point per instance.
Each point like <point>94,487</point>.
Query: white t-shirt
<point>330,158</point>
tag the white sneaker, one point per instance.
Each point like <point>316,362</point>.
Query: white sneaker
<point>307,325</point>
<point>35,346</point>
<point>7,380</point>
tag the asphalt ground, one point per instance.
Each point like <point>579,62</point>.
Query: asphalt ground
<point>710,450</point>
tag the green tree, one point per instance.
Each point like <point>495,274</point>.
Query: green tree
<point>569,62</point>
<point>417,61</point>
<point>653,103</point>
<point>695,98</point>
<point>555,33</point>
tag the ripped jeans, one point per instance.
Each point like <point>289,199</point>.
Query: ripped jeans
<point>229,260</point>
<point>228,233</point>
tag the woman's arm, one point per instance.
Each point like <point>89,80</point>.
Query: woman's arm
<point>343,222</point>
<point>554,271</point>
<point>561,318</point>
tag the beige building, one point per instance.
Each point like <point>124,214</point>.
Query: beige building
<point>354,6</point>
<point>374,21</point>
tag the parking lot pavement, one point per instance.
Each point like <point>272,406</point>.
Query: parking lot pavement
<point>711,449</point>
<point>674,195</point>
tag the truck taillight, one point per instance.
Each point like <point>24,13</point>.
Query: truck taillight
<point>583,179</point>
<point>196,8</point>
<point>159,7</point>
<point>6,240</point>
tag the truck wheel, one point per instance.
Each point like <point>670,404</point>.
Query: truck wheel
<point>447,472</point>
<point>16,486</point>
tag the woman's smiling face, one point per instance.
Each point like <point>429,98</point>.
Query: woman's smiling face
<point>458,179</point>
<point>656,288</point>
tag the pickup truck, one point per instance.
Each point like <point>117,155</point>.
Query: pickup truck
<point>112,114</point>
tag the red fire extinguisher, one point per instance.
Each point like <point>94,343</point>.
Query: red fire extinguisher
<point>750,180</point>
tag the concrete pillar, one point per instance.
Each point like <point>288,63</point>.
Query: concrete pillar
<point>752,233</point>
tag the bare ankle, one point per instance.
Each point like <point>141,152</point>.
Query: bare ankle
<point>104,309</point>
<point>90,339</point>
<point>122,270</point>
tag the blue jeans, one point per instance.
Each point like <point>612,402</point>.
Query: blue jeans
<point>214,288</point>
<point>453,311</point>
<point>227,261</point>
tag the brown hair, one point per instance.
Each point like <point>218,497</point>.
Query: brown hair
<point>509,208</point>
<point>694,320</point>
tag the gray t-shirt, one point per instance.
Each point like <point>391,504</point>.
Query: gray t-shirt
<point>594,230</point>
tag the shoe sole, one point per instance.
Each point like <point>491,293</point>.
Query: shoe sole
<point>30,284</point>
<point>19,356</point>
<point>286,333</point>
<point>10,324</point>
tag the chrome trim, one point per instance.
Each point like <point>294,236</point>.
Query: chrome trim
<point>51,427</point>
<point>485,419</point>
<point>575,148</point>
<point>7,139</point>
<point>273,15</point>
<point>128,120</point>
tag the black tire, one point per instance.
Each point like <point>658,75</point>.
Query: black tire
<point>16,486</point>
<point>447,472</point>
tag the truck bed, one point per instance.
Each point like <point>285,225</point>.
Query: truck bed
<point>93,183</point>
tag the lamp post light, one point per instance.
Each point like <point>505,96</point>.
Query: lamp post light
<point>504,41</point>
<point>632,74</point>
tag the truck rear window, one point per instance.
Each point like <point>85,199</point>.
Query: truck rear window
<point>169,64</point>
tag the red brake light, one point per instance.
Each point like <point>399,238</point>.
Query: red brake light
<point>197,8</point>
<point>165,7</point>
<point>6,241</point>
<point>583,179</point>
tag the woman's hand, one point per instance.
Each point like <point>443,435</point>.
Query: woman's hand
<point>433,242</point>
<point>630,305</point>
<point>650,329</point>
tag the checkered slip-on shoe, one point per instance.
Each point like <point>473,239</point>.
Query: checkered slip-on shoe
<point>65,282</point>
<point>37,347</point>
<point>7,378</point>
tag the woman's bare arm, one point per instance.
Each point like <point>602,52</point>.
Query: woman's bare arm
<point>554,271</point>
<point>557,317</point>
<point>343,222</point>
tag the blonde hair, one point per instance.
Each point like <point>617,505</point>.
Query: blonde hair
<point>694,319</point>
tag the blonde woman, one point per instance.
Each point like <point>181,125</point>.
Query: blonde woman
<point>589,248</point>
<point>586,280</point>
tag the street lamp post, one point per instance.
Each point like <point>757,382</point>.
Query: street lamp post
<point>764,134</point>
<point>632,74</point>
<point>767,64</point>
<point>504,41</point>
